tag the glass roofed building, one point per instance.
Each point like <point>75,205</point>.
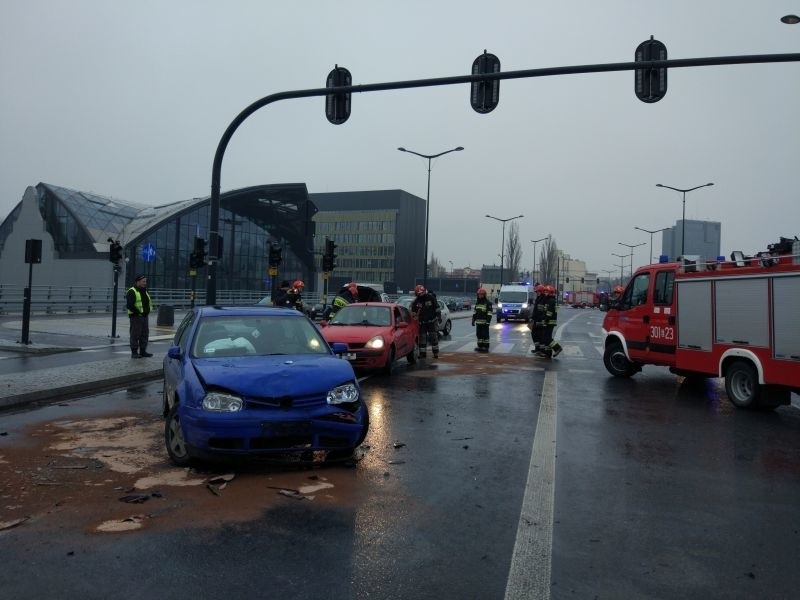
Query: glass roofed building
<point>75,228</point>
<point>380,237</point>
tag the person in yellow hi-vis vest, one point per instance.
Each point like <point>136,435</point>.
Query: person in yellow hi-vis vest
<point>139,305</point>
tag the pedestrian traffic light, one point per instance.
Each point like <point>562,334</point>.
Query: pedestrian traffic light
<point>329,256</point>
<point>650,85</point>
<point>275,254</point>
<point>567,279</point>
<point>114,251</point>
<point>198,258</point>
<point>582,280</point>
<point>485,95</point>
<point>337,106</point>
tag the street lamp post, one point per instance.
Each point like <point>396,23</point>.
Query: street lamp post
<point>535,275</point>
<point>622,258</point>
<point>683,218</point>
<point>608,273</point>
<point>451,267</point>
<point>651,238</point>
<point>503,242</point>
<point>428,202</point>
<point>631,246</point>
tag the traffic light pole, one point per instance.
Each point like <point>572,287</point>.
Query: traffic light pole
<point>114,303</point>
<point>216,168</point>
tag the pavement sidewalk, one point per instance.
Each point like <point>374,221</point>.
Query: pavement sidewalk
<point>71,333</point>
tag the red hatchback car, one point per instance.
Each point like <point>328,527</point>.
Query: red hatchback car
<point>376,333</point>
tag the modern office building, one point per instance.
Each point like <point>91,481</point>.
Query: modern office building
<point>379,237</point>
<point>702,238</point>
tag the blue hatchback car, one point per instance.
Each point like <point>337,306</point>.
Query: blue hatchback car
<point>254,380</point>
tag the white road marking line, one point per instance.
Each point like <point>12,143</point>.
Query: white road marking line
<point>529,574</point>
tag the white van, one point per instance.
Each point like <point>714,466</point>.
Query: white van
<point>515,301</point>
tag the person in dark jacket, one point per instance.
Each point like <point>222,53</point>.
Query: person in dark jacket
<point>139,305</point>
<point>425,309</point>
<point>293,297</point>
<point>549,347</point>
<point>481,319</point>
<point>346,296</point>
<point>537,317</point>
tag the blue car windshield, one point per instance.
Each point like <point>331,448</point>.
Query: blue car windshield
<point>255,335</point>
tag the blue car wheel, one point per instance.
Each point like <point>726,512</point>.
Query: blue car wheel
<point>173,438</point>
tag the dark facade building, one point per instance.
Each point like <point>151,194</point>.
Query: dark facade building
<point>379,235</point>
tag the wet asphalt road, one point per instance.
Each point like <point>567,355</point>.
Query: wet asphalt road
<point>660,490</point>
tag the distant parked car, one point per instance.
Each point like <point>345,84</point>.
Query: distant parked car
<point>452,304</point>
<point>466,304</point>
<point>257,380</point>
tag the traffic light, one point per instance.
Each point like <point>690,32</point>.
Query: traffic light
<point>115,252</point>
<point>582,280</point>
<point>329,256</point>
<point>275,254</point>
<point>337,106</point>
<point>650,85</point>
<point>484,95</point>
<point>567,279</point>
<point>198,258</point>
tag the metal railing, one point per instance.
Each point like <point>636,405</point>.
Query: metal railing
<point>54,300</point>
<point>47,300</point>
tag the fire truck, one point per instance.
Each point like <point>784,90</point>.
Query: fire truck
<point>582,299</point>
<point>737,319</point>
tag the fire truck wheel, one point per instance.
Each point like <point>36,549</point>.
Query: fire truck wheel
<point>616,362</point>
<point>741,384</point>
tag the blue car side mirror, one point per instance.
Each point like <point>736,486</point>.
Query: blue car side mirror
<point>175,352</point>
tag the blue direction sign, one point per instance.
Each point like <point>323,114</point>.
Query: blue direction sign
<point>148,253</point>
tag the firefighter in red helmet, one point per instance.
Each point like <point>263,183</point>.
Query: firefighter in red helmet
<point>293,297</point>
<point>537,317</point>
<point>549,347</point>
<point>425,309</point>
<point>481,317</point>
<point>347,295</point>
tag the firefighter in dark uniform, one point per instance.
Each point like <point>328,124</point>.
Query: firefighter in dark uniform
<point>293,297</point>
<point>549,347</point>
<point>481,319</point>
<point>425,309</point>
<point>537,317</point>
<point>347,296</point>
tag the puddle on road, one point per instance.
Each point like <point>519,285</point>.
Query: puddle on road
<point>73,474</point>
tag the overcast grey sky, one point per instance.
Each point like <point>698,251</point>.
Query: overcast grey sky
<point>130,99</point>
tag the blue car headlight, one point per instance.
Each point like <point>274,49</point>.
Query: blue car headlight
<point>375,343</point>
<point>222,402</point>
<point>343,394</point>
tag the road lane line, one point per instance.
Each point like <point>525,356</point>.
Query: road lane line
<point>529,574</point>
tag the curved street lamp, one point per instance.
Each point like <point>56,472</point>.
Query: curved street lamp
<point>503,243</point>
<point>534,256</point>
<point>621,265</point>
<point>428,202</point>
<point>683,218</point>
<point>631,246</point>
<point>651,238</point>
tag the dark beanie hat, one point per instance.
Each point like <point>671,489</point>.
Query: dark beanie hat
<point>139,278</point>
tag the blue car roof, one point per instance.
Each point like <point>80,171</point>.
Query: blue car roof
<point>214,311</point>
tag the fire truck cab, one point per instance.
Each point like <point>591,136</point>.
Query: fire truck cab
<point>737,319</point>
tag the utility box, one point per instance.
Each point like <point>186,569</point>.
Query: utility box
<point>166,316</point>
